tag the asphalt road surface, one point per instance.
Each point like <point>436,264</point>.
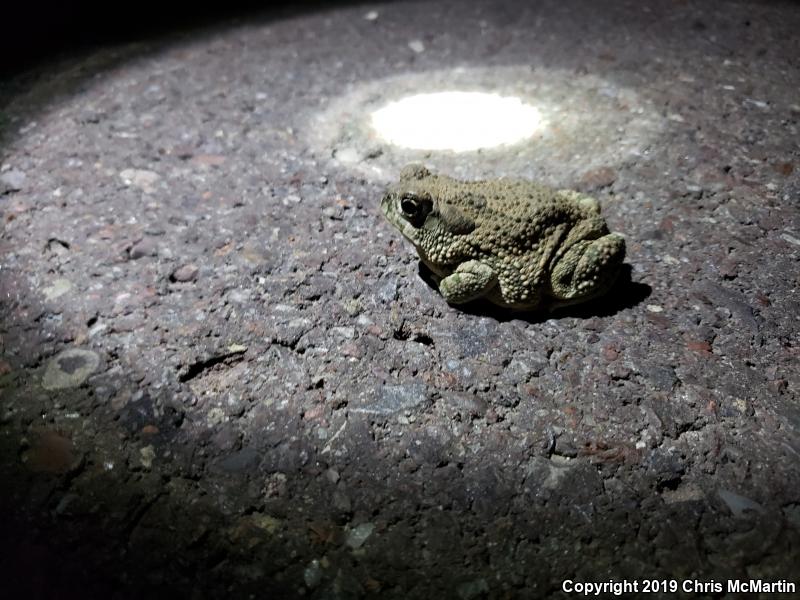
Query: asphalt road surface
<point>223,374</point>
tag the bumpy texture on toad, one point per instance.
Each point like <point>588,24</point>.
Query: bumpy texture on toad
<point>517,243</point>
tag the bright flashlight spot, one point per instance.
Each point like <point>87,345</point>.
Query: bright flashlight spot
<point>458,121</point>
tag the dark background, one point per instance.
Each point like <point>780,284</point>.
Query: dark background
<point>35,31</point>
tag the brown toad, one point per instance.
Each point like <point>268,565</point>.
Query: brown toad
<point>516,243</point>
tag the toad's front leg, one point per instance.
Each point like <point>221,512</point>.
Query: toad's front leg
<point>471,280</point>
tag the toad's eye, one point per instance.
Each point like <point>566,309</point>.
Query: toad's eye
<point>415,208</point>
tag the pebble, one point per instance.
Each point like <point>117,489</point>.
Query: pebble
<point>312,575</point>
<point>792,513</point>
<point>684,493</point>
<point>371,15</point>
<point>70,369</point>
<point>348,155</point>
<point>790,238</point>
<point>701,346</point>
<point>694,191</point>
<point>732,300</point>
<point>267,523</point>
<point>185,273</point>
<point>388,291</point>
<point>756,103</point>
<point>58,288</point>
<point>64,503</point>
<point>209,160</point>
<point>332,475</point>
<point>12,181</point>
<point>662,377</point>
<point>341,501</point>
<point>240,461</point>
<point>359,534</point>
<point>145,247</point>
<point>396,398</point>
<point>238,295</point>
<point>97,329</point>
<point>51,452</point>
<point>556,471</point>
<point>140,178</point>
<point>472,589</point>
<point>146,456</point>
<point>353,307</point>
<point>737,504</point>
<point>597,179</point>
<point>417,46</point>
<point>215,417</point>
<point>347,333</point>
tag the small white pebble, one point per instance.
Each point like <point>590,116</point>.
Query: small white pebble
<point>655,308</point>
<point>790,238</point>
<point>371,15</point>
<point>417,46</point>
<point>758,103</point>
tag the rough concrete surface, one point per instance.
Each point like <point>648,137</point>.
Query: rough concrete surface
<point>223,376</point>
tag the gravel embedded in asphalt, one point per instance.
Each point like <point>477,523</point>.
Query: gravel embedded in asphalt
<point>223,373</point>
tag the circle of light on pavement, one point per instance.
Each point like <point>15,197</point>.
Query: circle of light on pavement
<point>458,121</point>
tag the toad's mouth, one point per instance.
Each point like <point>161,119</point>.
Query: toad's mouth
<point>389,208</point>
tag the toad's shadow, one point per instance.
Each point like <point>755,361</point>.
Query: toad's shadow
<point>625,293</point>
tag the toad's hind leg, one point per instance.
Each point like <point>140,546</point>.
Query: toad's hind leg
<point>587,269</point>
<point>471,280</point>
